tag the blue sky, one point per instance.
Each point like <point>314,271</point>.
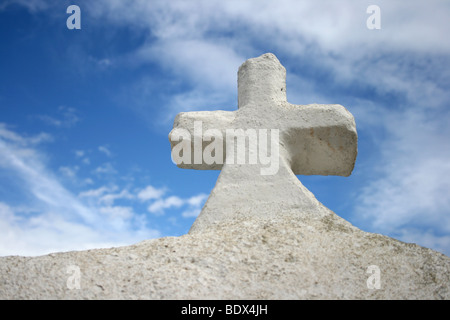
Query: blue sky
<point>85,114</point>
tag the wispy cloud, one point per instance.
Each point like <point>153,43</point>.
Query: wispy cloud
<point>81,154</point>
<point>32,6</point>
<point>96,193</point>
<point>66,117</point>
<point>105,150</point>
<point>69,172</point>
<point>150,193</point>
<point>105,169</point>
<point>106,195</point>
<point>109,199</point>
<point>27,164</point>
<point>408,190</point>
<point>193,205</point>
<point>10,136</point>
<point>327,45</point>
<point>160,205</point>
<point>59,221</point>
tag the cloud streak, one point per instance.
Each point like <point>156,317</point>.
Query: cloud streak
<point>55,219</point>
<point>66,117</point>
<point>409,189</point>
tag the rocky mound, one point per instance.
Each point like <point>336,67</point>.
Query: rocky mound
<point>314,258</point>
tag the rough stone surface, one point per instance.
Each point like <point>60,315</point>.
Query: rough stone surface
<point>324,258</point>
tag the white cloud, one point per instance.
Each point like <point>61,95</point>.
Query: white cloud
<point>205,63</point>
<point>66,117</point>
<point>10,136</point>
<point>428,239</point>
<point>27,164</point>
<point>79,153</point>
<point>58,220</point>
<point>407,195</point>
<point>69,172</point>
<point>105,150</point>
<point>220,29</point>
<point>118,212</point>
<point>106,195</point>
<point>160,205</point>
<point>52,232</point>
<point>50,120</point>
<point>98,192</point>
<point>32,6</point>
<point>150,193</point>
<point>202,46</point>
<point>194,205</point>
<point>197,100</point>
<point>118,216</point>
<point>106,169</point>
<point>104,63</point>
<point>109,199</point>
<point>191,213</point>
<point>197,200</point>
<point>88,181</point>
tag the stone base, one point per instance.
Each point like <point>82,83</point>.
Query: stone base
<point>314,258</point>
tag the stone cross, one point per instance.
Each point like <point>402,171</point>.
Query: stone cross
<point>304,140</point>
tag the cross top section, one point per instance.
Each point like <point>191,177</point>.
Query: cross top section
<point>261,80</point>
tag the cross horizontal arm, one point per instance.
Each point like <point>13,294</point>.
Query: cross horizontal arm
<point>320,139</point>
